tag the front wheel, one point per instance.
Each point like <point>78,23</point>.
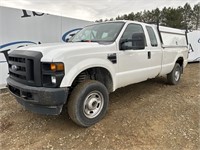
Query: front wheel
<point>174,76</point>
<point>88,103</point>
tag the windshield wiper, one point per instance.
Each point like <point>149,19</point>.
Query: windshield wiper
<point>86,41</point>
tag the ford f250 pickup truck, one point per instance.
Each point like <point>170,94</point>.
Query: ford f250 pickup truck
<point>98,60</point>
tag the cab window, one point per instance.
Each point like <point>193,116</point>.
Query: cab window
<point>152,36</point>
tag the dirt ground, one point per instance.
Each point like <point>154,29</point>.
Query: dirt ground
<point>147,115</point>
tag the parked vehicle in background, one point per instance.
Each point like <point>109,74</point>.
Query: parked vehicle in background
<point>22,27</point>
<point>194,46</point>
<point>98,60</point>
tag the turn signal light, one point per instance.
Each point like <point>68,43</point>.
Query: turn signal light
<point>53,67</point>
<point>57,66</point>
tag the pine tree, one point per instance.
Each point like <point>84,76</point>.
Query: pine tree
<point>196,17</point>
<point>182,17</point>
<point>187,13</point>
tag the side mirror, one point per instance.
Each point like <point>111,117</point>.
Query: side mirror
<point>70,36</point>
<point>137,42</point>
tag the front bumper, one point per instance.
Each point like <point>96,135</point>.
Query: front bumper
<point>39,99</point>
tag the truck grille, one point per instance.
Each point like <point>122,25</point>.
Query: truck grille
<point>24,67</point>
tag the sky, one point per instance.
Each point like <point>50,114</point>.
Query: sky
<point>93,9</point>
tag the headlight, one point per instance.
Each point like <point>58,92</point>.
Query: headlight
<point>52,74</point>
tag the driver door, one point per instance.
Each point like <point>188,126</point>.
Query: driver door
<point>132,62</point>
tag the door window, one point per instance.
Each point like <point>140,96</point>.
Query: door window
<point>128,33</point>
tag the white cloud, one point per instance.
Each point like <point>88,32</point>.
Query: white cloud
<point>91,9</point>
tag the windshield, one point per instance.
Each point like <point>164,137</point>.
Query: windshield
<point>104,32</point>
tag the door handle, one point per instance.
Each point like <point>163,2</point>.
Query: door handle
<point>149,55</point>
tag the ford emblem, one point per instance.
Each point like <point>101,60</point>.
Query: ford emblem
<point>14,67</point>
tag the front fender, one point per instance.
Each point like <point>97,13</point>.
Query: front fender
<point>71,74</point>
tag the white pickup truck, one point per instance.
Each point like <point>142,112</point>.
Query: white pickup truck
<point>98,60</point>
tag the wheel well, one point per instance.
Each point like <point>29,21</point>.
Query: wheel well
<point>180,61</point>
<point>99,74</point>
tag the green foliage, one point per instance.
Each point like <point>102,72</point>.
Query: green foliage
<point>184,17</point>
<point>196,16</point>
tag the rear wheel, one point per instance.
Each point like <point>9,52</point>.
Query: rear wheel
<point>174,76</point>
<point>88,103</point>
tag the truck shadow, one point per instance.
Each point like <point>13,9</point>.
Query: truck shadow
<point>136,90</point>
<point>120,98</point>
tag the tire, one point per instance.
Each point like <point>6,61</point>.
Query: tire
<point>88,103</point>
<point>174,76</point>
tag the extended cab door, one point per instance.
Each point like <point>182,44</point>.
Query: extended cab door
<point>136,65</point>
<point>154,50</point>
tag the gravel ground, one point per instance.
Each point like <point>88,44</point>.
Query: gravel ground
<point>148,115</point>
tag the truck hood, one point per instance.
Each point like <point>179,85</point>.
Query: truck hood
<point>55,50</point>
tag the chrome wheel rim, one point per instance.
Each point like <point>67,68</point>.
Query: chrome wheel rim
<point>93,104</point>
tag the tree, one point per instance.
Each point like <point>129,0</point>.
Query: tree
<point>131,16</point>
<point>172,17</point>
<point>118,18</point>
<point>147,15</point>
<point>187,13</point>
<point>196,17</point>
<point>101,20</point>
<point>138,16</point>
<point>182,17</point>
<point>155,15</point>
